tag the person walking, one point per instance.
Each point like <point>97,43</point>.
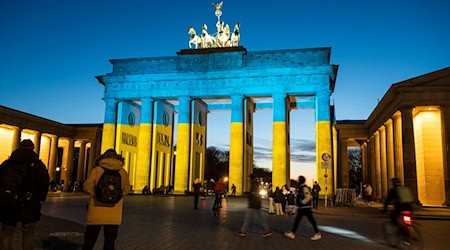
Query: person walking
<point>233,190</point>
<point>304,198</point>
<point>285,191</point>
<point>218,191</point>
<point>369,194</point>
<point>197,185</point>
<point>24,175</point>
<point>254,210</point>
<point>315,192</point>
<point>103,214</point>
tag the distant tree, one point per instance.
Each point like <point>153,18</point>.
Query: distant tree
<point>354,168</point>
<point>265,173</point>
<point>216,163</point>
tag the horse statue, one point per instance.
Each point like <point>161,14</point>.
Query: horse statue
<point>235,37</point>
<point>194,38</point>
<point>208,41</point>
<point>223,35</point>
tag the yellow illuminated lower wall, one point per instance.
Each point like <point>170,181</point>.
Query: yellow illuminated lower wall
<point>324,145</point>
<point>182,159</point>
<point>429,158</point>
<point>279,155</point>
<point>237,156</point>
<point>6,138</point>
<point>108,136</point>
<point>142,171</point>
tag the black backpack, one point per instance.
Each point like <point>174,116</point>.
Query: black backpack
<point>109,187</point>
<point>15,189</point>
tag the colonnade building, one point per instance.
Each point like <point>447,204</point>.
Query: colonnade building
<point>68,151</point>
<point>407,136</point>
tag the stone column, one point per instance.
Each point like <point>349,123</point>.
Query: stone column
<point>183,145</point>
<point>398,151</point>
<point>109,126</point>
<point>67,170</point>
<point>37,142</point>
<point>378,188</point>
<point>445,125</point>
<point>409,152</point>
<point>279,142</point>
<point>383,163</point>
<point>16,138</point>
<point>236,168</point>
<point>53,157</point>
<point>144,145</point>
<point>324,140</point>
<point>343,163</point>
<point>364,162</point>
<point>81,161</point>
<point>373,164</point>
<point>390,150</point>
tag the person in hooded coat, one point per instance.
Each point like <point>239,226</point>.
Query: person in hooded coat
<point>108,216</point>
<point>36,183</point>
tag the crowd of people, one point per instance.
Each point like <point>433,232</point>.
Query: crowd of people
<point>24,184</point>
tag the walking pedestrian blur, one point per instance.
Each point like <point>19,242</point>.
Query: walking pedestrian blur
<point>197,185</point>
<point>233,190</point>
<point>101,213</point>
<point>254,210</point>
<point>315,192</point>
<point>24,185</point>
<point>285,191</point>
<point>303,200</point>
<point>218,190</point>
<point>278,198</point>
<point>291,203</point>
<point>369,194</point>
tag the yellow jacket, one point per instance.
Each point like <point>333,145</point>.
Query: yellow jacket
<point>101,213</point>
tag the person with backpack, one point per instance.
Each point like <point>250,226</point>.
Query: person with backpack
<point>24,182</point>
<point>303,200</point>
<point>107,184</point>
<point>402,199</point>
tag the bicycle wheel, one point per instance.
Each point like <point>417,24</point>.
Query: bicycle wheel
<point>414,239</point>
<point>391,234</point>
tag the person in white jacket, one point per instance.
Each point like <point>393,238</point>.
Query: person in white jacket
<point>304,203</point>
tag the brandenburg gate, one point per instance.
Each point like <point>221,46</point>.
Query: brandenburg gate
<point>143,94</point>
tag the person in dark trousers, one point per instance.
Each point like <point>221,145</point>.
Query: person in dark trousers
<point>315,192</point>
<point>233,190</point>
<point>197,185</point>
<point>101,214</point>
<point>254,210</point>
<point>36,182</point>
<point>304,199</point>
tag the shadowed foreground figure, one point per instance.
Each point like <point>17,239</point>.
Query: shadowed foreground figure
<point>254,210</point>
<point>25,173</point>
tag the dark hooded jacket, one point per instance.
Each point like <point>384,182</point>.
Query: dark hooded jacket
<point>36,180</point>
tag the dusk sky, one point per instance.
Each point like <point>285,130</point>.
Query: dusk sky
<point>51,51</point>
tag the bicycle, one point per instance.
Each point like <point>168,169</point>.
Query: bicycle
<point>217,204</point>
<point>406,235</point>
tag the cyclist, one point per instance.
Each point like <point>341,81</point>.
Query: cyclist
<point>402,199</point>
<point>218,190</point>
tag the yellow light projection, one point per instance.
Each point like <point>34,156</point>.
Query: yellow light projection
<point>429,157</point>
<point>6,137</point>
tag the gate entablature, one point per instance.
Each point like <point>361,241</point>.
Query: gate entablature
<point>215,74</point>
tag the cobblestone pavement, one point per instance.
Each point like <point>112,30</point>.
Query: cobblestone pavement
<point>170,222</point>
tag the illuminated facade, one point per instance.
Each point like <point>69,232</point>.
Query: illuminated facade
<point>406,136</point>
<point>143,94</point>
<point>68,151</point>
